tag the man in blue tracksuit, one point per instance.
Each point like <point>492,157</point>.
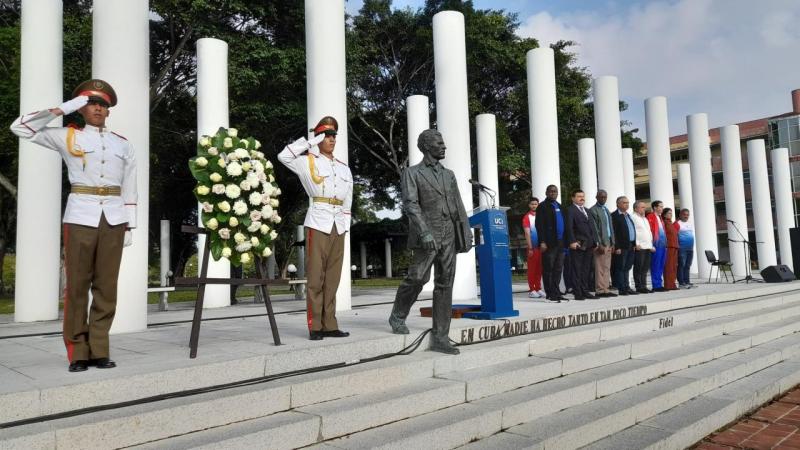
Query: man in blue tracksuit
<point>660,244</point>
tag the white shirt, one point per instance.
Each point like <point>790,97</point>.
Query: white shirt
<point>109,160</point>
<point>333,180</point>
<point>644,237</point>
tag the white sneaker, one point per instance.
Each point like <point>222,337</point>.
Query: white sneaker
<point>534,294</point>
<point>542,294</point>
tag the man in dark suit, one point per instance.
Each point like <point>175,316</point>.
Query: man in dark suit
<point>624,245</point>
<point>579,232</point>
<point>438,229</point>
<point>550,228</point>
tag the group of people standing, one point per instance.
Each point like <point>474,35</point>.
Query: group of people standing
<point>595,249</point>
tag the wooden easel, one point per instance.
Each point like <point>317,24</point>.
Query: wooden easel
<point>203,280</point>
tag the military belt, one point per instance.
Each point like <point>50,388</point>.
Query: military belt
<point>96,190</point>
<point>332,201</point>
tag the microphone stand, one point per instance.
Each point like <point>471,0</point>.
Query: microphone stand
<point>490,194</point>
<point>748,273</point>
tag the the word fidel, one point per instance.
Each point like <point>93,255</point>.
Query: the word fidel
<point>517,328</point>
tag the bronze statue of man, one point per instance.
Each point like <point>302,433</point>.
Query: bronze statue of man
<point>438,230</point>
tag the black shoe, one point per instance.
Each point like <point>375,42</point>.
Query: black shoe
<point>643,291</point>
<point>444,348</point>
<point>561,297</point>
<point>102,363</point>
<point>554,299</point>
<point>580,298</point>
<point>315,335</point>
<point>661,289</point>
<point>632,292</point>
<point>610,294</point>
<point>80,365</point>
<point>335,333</point>
<point>623,293</point>
<point>591,297</point>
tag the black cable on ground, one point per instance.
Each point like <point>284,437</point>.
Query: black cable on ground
<point>413,346</point>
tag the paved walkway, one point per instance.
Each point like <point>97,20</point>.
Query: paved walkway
<point>775,426</point>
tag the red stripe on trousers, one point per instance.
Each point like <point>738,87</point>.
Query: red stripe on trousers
<point>309,314</point>
<point>70,346</point>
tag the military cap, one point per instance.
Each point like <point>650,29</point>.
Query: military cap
<point>327,125</point>
<point>97,90</point>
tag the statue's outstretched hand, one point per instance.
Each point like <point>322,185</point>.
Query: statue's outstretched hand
<point>427,242</point>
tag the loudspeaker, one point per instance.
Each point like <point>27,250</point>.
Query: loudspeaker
<point>794,234</point>
<point>777,274</point>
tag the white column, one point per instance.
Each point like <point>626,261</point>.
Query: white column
<point>452,117</point>
<point>784,202</point>
<point>363,253</point>
<point>543,121</point>
<point>608,139</point>
<point>327,94</point>
<point>212,113</point>
<point>418,120</point>
<point>762,205</point>
<point>705,221</point>
<point>387,253</point>
<point>587,166</point>
<point>486,135</point>
<point>658,157</point>
<point>733,182</point>
<point>36,287</point>
<point>121,56</point>
<point>685,193</point>
<point>418,117</point>
<point>627,173</point>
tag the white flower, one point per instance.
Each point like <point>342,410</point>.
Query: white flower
<point>258,166</point>
<point>227,143</point>
<point>245,258</point>
<point>208,207</point>
<point>274,202</point>
<point>245,185</point>
<point>232,191</point>
<point>254,240</point>
<point>255,225</point>
<point>203,190</point>
<point>268,189</point>
<point>240,208</point>
<point>226,252</point>
<point>213,151</point>
<point>266,211</point>
<point>225,233</point>
<point>221,161</point>
<point>239,238</point>
<point>245,143</point>
<point>215,177</point>
<point>255,215</point>
<point>244,247</point>
<point>224,206</point>
<point>252,179</point>
<point>277,192</point>
<point>273,234</point>
<point>246,166</point>
<point>201,162</point>
<point>267,251</point>
<point>234,222</point>
<point>233,132</point>
<point>212,224</point>
<point>271,178</point>
<point>218,189</point>
<point>264,229</point>
<point>241,153</point>
<point>232,157</point>
<point>255,199</point>
<point>234,169</point>
<point>276,218</point>
<point>258,145</point>
<point>205,141</point>
<point>268,164</point>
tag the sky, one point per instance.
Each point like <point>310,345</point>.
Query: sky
<point>735,60</point>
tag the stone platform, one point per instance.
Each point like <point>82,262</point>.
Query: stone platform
<point>612,350</point>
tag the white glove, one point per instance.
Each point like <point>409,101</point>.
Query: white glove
<point>314,150</point>
<point>299,146</point>
<point>128,239</point>
<point>70,106</point>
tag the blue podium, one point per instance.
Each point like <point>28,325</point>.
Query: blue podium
<point>494,258</point>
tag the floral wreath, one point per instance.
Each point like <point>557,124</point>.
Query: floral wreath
<point>237,194</point>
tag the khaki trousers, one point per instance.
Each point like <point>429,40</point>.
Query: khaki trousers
<point>325,252</point>
<point>602,271</point>
<point>91,259</point>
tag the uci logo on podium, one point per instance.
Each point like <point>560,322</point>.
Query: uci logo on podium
<point>498,220</point>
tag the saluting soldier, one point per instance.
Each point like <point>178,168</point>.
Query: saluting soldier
<point>329,185</point>
<point>101,209</point>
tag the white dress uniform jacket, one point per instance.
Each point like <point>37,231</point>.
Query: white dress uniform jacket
<point>644,237</point>
<point>324,178</point>
<point>108,160</point>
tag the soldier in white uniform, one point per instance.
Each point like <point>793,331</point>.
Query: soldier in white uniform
<point>329,184</point>
<point>101,209</point>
